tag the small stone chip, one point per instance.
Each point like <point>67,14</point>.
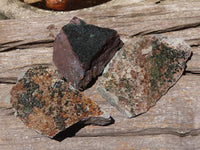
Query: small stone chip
<point>140,73</point>
<point>50,105</point>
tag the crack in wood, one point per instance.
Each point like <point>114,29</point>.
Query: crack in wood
<point>25,44</point>
<point>148,132</point>
<point>170,29</point>
<point>6,108</point>
<point>158,2</point>
<point>134,15</point>
<point>195,45</point>
<point>8,111</point>
<point>193,72</point>
<point>8,80</point>
<point>11,42</point>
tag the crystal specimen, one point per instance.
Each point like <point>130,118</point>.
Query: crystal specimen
<point>141,72</point>
<point>50,105</point>
<point>81,51</point>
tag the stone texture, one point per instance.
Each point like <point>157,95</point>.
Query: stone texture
<point>141,72</point>
<point>50,105</point>
<point>81,51</point>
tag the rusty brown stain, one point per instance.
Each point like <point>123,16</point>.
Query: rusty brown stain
<point>48,104</point>
<point>139,79</point>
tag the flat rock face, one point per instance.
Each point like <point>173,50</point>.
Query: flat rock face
<point>50,105</point>
<point>141,72</point>
<point>81,51</point>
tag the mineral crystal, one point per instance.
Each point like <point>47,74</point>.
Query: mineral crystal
<point>81,51</point>
<point>141,72</point>
<point>50,105</point>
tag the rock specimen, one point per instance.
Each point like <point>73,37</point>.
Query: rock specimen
<point>50,105</point>
<point>81,51</point>
<point>141,72</point>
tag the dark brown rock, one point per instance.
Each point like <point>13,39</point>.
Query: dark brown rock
<point>141,72</point>
<point>50,105</point>
<point>81,51</point>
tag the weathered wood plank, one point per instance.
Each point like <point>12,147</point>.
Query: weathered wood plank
<point>19,137</point>
<point>166,142</point>
<point>130,19</point>
<point>13,63</point>
<point>4,95</point>
<point>174,122</point>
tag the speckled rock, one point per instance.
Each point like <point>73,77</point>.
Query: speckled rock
<point>141,72</point>
<point>81,51</point>
<point>50,105</point>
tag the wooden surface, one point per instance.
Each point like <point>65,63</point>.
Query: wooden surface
<point>173,124</point>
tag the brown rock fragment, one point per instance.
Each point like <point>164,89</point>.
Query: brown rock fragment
<point>81,51</point>
<point>141,72</point>
<point>50,105</point>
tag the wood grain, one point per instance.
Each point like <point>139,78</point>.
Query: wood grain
<point>174,122</point>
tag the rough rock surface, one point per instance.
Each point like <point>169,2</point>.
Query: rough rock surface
<point>141,72</point>
<point>81,51</point>
<point>50,105</point>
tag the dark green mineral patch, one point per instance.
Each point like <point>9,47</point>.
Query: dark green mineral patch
<point>50,105</point>
<point>86,40</point>
<point>142,72</point>
<point>81,52</point>
<point>164,65</point>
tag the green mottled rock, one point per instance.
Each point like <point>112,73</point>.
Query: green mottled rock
<point>49,105</point>
<point>143,71</point>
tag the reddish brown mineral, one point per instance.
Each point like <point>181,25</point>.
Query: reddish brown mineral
<point>50,105</point>
<point>140,73</point>
<point>81,51</point>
